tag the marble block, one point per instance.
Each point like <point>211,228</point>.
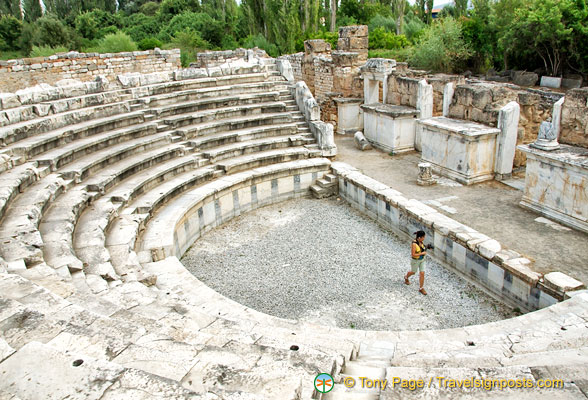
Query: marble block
<point>389,127</point>
<point>461,150</point>
<point>556,184</point>
<point>349,115</point>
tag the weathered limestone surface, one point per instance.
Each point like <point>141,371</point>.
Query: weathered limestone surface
<point>461,150</point>
<point>391,128</point>
<point>350,116</point>
<point>28,72</point>
<point>574,118</point>
<point>556,184</point>
<point>508,123</point>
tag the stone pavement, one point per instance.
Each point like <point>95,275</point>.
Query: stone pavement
<point>490,207</point>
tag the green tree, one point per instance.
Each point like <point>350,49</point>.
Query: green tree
<point>32,10</point>
<point>140,26</point>
<point>87,26</point>
<point>10,7</point>
<point>50,31</point>
<point>10,31</point>
<point>380,39</point>
<point>461,7</point>
<point>541,29</point>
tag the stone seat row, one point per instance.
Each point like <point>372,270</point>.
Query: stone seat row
<point>129,341</point>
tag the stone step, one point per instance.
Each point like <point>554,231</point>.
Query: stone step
<point>19,235</point>
<point>320,192</point>
<point>72,151</point>
<point>17,180</point>
<point>139,183</point>
<point>89,238</point>
<point>259,159</point>
<point>57,226</point>
<point>148,202</point>
<point>33,370</point>
<point>110,176</point>
<point>219,114</point>
<point>37,144</point>
<point>331,178</point>
<point>326,184</point>
<point>202,83</point>
<point>83,167</point>
<point>89,100</point>
<point>242,135</point>
<point>252,146</point>
<point>213,103</point>
<point>17,132</point>
<point>232,124</point>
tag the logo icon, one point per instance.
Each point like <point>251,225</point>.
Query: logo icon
<point>323,383</point>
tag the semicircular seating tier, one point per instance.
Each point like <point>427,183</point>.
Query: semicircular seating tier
<point>102,192</point>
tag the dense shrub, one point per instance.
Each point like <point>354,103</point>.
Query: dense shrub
<point>441,48</point>
<point>50,31</point>
<point>140,26</point>
<point>115,43</point>
<point>388,23</point>
<point>380,39</point>
<point>261,42</point>
<point>46,51</point>
<point>10,31</point>
<point>149,43</point>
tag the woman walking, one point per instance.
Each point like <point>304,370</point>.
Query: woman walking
<point>417,263</point>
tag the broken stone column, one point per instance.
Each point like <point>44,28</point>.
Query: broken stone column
<point>448,91</point>
<point>361,142</point>
<point>285,69</point>
<point>549,131</point>
<point>323,133</point>
<point>508,123</point>
<point>424,105</point>
<point>425,175</point>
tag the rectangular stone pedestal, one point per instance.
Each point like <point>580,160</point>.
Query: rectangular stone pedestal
<point>556,184</point>
<point>460,150</point>
<point>349,115</point>
<point>389,127</point>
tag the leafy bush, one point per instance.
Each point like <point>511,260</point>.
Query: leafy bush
<point>400,55</point>
<point>380,39</point>
<point>150,8</point>
<point>46,51</point>
<point>441,48</point>
<point>261,42</point>
<point>189,42</point>
<point>86,25</point>
<point>49,31</point>
<point>115,43</point>
<point>388,23</point>
<point>149,43</point>
<point>210,29</point>
<point>413,28</point>
<point>140,26</point>
<point>10,31</point>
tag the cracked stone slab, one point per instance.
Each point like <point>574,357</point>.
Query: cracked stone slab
<point>38,371</point>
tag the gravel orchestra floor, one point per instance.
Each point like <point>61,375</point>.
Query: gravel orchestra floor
<point>321,261</point>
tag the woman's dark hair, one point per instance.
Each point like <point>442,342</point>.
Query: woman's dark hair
<point>419,234</point>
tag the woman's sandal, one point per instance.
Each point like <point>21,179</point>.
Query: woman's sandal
<point>423,291</point>
<point>406,280</point>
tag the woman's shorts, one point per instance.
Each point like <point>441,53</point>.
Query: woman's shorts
<point>417,265</point>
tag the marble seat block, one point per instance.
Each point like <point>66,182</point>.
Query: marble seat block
<point>389,127</point>
<point>349,114</point>
<point>461,150</point>
<point>556,184</point>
